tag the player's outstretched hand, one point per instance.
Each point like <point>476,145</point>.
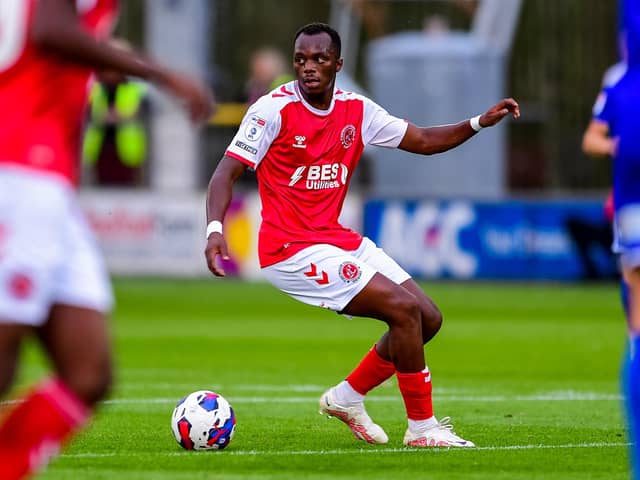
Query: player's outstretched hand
<point>216,246</point>
<point>499,111</point>
<point>198,99</point>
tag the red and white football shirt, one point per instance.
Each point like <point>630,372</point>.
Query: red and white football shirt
<point>43,98</point>
<point>304,159</point>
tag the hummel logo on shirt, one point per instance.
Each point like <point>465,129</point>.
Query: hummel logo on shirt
<point>300,139</point>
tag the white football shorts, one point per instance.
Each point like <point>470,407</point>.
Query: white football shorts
<point>48,254</point>
<point>330,277</point>
<point>627,234</point>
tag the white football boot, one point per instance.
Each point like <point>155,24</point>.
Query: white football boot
<point>441,435</point>
<point>355,417</point>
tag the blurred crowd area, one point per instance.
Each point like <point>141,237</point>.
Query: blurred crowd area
<point>554,68</point>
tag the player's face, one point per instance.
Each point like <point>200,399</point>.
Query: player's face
<point>316,63</point>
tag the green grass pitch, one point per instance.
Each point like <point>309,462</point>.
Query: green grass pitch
<point>529,372</point>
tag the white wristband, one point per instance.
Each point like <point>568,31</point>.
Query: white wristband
<point>214,226</point>
<point>475,123</point>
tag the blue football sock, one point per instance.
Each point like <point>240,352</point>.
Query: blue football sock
<point>631,385</point>
<point>624,296</point>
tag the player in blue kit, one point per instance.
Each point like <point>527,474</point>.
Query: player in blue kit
<point>619,129</point>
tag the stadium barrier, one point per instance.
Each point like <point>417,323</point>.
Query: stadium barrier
<point>148,233</point>
<point>144,233</point>
<point>493,240</point>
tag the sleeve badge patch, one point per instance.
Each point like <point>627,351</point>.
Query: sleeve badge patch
<point>255,128</point>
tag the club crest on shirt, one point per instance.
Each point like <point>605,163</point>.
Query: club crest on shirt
<point>349,272</point>
<point>20,286</point>
<point>348,136</point>
<point>255,128</point>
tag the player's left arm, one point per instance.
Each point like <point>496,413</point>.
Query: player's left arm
<point>430,140</point>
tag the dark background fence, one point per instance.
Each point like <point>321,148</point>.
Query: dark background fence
<point>561,49</point>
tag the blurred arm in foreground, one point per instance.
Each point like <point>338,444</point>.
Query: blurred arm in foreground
<point>56,31</point>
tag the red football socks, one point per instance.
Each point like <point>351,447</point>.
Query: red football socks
<point>416,393</point>
<point>35,430</point>
<point>370,372</point>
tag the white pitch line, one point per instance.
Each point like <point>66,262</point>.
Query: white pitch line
<point>557,397</point>
<point>243,453</point>
<point>215,388</point>
<point>544,397</point>
<point>124,386</point>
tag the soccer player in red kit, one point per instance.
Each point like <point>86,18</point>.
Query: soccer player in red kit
<point>53,283</point>
<point>304,141</point>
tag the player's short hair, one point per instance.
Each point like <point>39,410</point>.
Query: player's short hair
<point>318,27</point>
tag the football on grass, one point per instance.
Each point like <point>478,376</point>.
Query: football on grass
<point>203,420</point>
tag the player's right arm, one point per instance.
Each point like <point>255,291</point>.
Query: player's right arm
<point>219,195</point>
<point>55,28</point>
<point>596,141</point>
<point>260,125</point>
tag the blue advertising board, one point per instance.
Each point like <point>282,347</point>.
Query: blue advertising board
<point>502,240</point>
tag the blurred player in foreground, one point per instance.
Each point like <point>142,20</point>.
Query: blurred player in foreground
<point>53,283</point>
<point>304,140</point>
<point>617,132</point>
